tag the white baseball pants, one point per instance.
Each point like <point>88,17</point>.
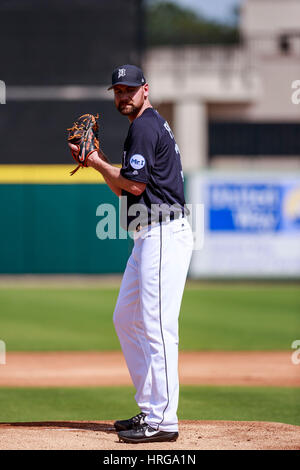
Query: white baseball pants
<point>146,317</point>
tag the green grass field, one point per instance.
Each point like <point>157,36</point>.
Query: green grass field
<point>213,317</point>
<point>228,317</point>
<point>278,404</point>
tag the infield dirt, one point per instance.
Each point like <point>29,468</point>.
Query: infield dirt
<point>46,369</point>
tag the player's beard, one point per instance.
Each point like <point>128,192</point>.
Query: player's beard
<point>128,109</point>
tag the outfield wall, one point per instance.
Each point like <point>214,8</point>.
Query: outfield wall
<point>48,222</point>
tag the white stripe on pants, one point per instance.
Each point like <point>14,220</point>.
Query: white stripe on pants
<point>146,317</point>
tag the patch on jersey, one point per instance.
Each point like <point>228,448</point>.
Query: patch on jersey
<point>137,161</point>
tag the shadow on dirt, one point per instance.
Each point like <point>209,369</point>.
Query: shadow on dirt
<point>78,425</point>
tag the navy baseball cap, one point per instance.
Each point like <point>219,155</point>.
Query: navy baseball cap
<point>129,75</point>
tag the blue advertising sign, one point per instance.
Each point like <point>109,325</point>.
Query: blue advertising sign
<point>251,224</point>
<point>250,207</point>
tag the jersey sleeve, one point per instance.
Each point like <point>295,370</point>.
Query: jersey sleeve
<point>140,152</point>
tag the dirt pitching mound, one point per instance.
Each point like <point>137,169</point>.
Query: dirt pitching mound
<point>193,435</point>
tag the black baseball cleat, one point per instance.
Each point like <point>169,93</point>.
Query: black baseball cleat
<point>145,433</point>
<point>131,423</point>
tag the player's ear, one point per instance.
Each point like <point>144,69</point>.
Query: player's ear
<point>146,90</point>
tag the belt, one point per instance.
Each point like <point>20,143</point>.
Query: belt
<point>166,220</point>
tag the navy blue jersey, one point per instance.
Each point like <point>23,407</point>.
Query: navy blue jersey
<point>152,156</point>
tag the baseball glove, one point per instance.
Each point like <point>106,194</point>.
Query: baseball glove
<point>84,134</point>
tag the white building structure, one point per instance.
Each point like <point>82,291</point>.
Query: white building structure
<point>249,82</point>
